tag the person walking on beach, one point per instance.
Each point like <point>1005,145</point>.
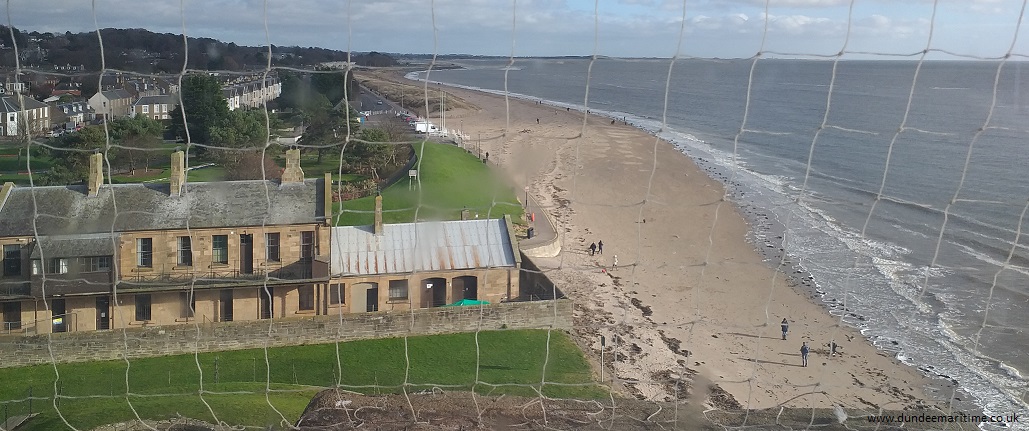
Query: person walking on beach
<point>832,348</point>
<point>487,156</point>
<point>593,248</point>
<point>600,247</point>
<point>537,121</point>
<point>803,353</point>
<point>785,327</point>
<point>616,260</point>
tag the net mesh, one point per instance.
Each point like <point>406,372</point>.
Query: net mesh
<point>630,343</point>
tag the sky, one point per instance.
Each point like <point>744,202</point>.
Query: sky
<point>886,29</point>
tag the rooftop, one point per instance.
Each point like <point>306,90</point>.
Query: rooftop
<point>157,100</point>
<point>67,210</point>
<point>11,103</point>
<point>74,246</point>
<point>425,246</point>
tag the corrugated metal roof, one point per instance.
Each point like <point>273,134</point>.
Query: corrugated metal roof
<point>425,246</point>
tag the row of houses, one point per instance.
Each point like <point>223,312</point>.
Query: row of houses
<point>254,94</point>
<point>105,256</point>
<point>20,113</point>
<point>123,103</point>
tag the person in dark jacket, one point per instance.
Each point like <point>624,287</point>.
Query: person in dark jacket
<point>593,248</point>
<point>803,353</point>
<point>785,327</point>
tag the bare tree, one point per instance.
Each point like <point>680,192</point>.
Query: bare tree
<point>250,165</point>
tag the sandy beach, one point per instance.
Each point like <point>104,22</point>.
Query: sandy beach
<point>690,298</point>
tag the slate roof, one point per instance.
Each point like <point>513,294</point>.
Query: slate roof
<point>10,104</point>
<point>101,244</point>
<point>157,100</point>
<point>120,93</point>
<point>66,210</point>
<point>425,246</point>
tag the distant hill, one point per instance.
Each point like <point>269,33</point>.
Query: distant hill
<point>143,51</point>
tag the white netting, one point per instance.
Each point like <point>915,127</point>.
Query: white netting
<point>628,316</point>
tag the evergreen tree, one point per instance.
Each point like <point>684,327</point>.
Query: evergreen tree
<point>205,108</point>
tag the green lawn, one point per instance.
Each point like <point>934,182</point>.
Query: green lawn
<point>21,179</point>
<point>166,386</point>
<point>152,174</point>
<point>10,162</point>
<point>451,179</point>
<point>210,173</point>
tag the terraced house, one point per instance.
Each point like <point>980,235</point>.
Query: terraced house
<point>23,114</point>
<point>100,256</point>
<point>104,256</point>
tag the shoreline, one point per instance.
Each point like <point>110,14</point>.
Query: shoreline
<point>639,320</point>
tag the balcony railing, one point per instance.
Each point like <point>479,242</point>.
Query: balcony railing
<point>219,273</point>
<point>68,323</point>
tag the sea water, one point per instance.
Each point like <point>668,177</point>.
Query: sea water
<point>947,143</point>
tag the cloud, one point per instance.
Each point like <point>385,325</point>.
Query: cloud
<point>721,28</point>
<point>883,26</point>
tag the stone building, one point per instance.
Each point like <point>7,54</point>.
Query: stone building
<point>102,256</point>
<point>396,267</point>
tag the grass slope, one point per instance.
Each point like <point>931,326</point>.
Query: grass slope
<point>451,179</point>
<point>164,387</point>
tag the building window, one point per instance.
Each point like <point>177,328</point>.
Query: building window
<point>146,109</point>
<point>307,246</point>
<point>306,297</point>
<point>96,264</point>
<point>397,289</point>
<point>12,260</point>
<point>57,265</point>
<point>220,249</point>
<point>189,304</point>
<point>336,294</point>
<point>271,241</point>
<point>164,107</point>
<point>142,307</point>
<point>185,251</point>
<point>145,252</point>
<point>12,316</point>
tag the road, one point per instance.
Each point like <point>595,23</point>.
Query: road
<point>372,102</point>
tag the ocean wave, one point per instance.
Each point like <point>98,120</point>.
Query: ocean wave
<point>983,257</point>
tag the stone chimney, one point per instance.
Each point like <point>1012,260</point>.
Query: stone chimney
<point>178,173</point>
<point>96,174</point>
<point>377,229</point>
<point>327,199</point>
<point>293,173</point>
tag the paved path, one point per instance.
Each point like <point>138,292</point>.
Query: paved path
<point>544,229</point>
<point>14,422</point>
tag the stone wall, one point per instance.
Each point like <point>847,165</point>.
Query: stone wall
<point>535,285</point>
<point>182,339</point>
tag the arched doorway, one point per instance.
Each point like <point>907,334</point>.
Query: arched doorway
<point>433,292</point>
<point>465,287</point>
<point>364,297</point>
